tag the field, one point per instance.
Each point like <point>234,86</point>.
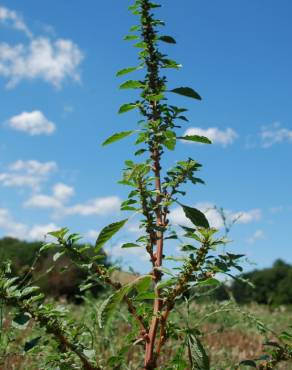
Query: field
<point>229,336</point>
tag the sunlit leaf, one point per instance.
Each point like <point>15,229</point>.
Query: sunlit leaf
<point>107,233</point>
<point>116,137</point>
<point>132,84</point>
<point>196,138</point>
<point>196,217</point>
<point>127,107</point>
<point>197,354</point>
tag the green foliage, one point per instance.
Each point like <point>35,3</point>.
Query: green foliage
<point>198,357</point>
<point>187,91</point>
<point>271,286</point>
<point>55,279</point>
<point>197,139</point>
<point>196,217</point>
<point>107,233</point>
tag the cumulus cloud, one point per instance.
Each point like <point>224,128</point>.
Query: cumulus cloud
<point>12,228</point>
<point>178,217</point>
<point>257,235</point>
<point>43,201</point>
<point>91,235</point>
<point>39,232</point>
<point>97,206</point>
<point>29,173</point>
<point>34,167</point>
<point>61,194</point>
<point>12,19</point>
<point>275,134</point>
<point>52,61</point>
<point>217,136</point>
<point>33,123</point>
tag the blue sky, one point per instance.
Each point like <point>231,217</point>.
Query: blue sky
<point>59,100</point>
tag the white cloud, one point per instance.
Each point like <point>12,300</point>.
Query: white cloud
<point>63,192</point>
<point>29,173</point>
<point>10,226</point>
<point>13,19</point>
<point>246,217</point>
<point>38,232</point>
<point>91,235</point>
<point>258,235</point>
<point>43,201</point>
<point>34,167</point>
<point>178,217</point>
<point>216,135</point>
<point>16,180</point>
<point>51,61</point>
<point>275,134</point>
<point>19,230</point>
<point>98,206</point>
<point>33,123</point>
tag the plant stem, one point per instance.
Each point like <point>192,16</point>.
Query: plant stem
<point>154,83</point>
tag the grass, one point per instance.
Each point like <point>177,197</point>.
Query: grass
<point>230,335</point>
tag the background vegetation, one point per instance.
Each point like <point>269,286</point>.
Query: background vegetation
<point>270,286</point>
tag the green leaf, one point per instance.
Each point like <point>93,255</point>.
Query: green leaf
<point>131,245</point>
<point>59,233</point>
<point>48,246</point>
<point>196,138</point>
<point>111,303</point>
<point>166,283</point>
<point>31,344</point>
<point>141,45</point>
<point>116,137</point>
<point>107,233</point>
<point>249,363</point>
<point>145,296</point>
<point>132,84</point>
<point>169,63</point>
<point>21,319</point>
<point>82,288</point>
<point>125,71</point>
<point>170,140</point>
<point>135,28</point>
<point>155,97</point>
<point>210,281</point>
<point>131,37</point>
<point>168,39</point>
<point>196,217</point>
<point>142,284</point>
<point>187,91</point>
<point>197,354</point>
<point>90,353</point>
<point>57,255</point>
<point>127,107</point>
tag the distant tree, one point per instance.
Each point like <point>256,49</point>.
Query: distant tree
<point>273,285</point>
<point>56,279</point>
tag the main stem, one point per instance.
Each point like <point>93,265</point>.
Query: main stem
<point>155,150</point>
